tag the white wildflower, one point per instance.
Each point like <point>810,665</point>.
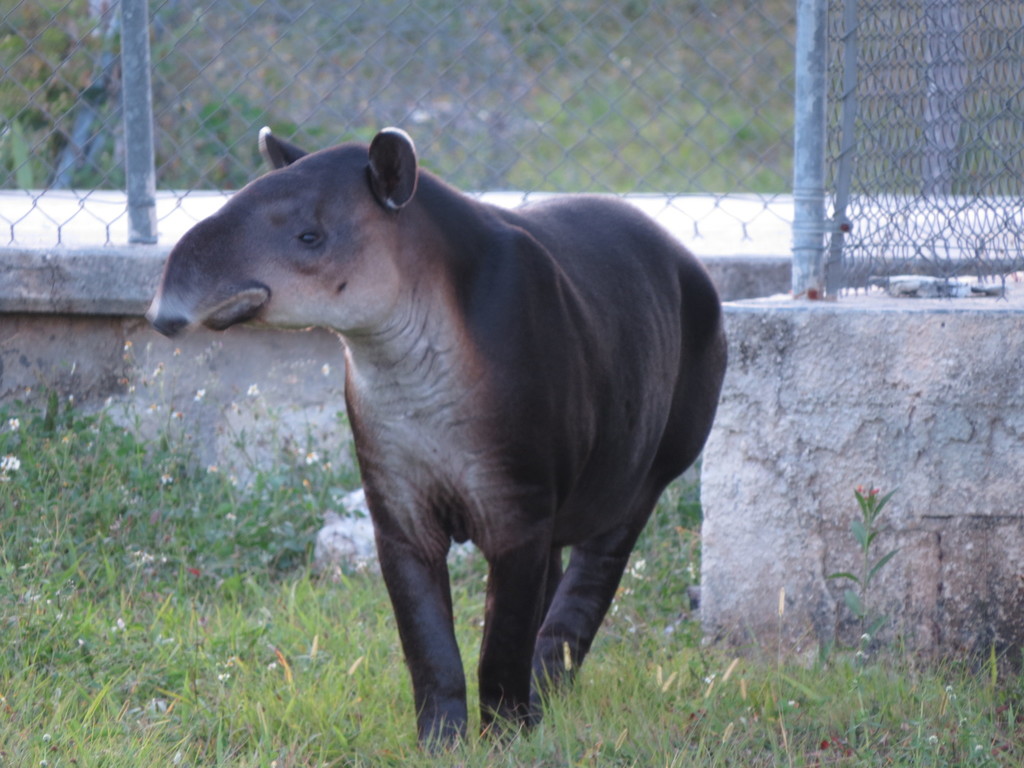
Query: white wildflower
<point>253,391</point>
<point>14,424</point>
<point>312,458</point>
<point>200,394</point>
<point>326,369</point>
<point>142,557</point>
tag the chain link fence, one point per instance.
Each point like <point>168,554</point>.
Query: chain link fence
<point>689,100</point>
<point>926,137</point>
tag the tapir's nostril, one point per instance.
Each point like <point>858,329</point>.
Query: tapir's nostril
<point>169,325</point>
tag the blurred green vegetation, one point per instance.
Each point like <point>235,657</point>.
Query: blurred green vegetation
<point>59,116</point>
<point>515,94</point>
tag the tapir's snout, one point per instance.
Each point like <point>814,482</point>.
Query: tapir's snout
<point>168,325</point>
<point>166,316</point>
<point>170,317</point>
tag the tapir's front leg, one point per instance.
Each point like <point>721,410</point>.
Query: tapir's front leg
<point>516,601</point>
<point>421,597</point>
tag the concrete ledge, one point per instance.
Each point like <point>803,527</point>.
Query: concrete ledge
<point>101,281</point>
<point>922,396</point>
<point>112,280</point>
<point>71,321</point>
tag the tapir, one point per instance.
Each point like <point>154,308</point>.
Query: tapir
<point>526,379</point>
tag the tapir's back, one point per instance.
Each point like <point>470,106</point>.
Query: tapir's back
<point>618,255</point>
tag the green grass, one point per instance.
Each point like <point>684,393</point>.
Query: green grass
<point>148,622</point>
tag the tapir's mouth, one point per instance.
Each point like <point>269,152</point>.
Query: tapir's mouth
<point>242,306</point>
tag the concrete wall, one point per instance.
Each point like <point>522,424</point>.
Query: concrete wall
<point>922,396</point>
<point>238,397</point>
<point>72,321</point>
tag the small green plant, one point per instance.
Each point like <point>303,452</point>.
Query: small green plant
<point>865,530</point>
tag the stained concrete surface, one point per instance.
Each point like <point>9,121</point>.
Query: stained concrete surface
<point>924,397</point>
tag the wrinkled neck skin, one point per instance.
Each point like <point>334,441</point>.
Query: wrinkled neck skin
<point>418,357</point>
<point>411,361</point>
<point>412,357</point>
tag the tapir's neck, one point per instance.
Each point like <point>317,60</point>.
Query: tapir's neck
<point>424,347</point>
<point>416,361</point>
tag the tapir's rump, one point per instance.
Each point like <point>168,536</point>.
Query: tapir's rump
<point>527,379</point>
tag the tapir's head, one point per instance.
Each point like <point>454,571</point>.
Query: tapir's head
<point>312,243</point>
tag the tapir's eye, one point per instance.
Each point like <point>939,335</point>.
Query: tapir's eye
<point>310,238</point>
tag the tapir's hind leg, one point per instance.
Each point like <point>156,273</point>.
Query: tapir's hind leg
<point>582,599</point>
<point>516,597</point>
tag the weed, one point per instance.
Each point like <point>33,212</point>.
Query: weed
<point>865,530</point>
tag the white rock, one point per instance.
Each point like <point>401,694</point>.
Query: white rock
<point>346,541</point>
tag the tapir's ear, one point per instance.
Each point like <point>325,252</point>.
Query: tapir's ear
<point>393,168</point>
<point>278,153</point>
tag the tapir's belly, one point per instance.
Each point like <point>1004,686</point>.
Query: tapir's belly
<point>443,480</point>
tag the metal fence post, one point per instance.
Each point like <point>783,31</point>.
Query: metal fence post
<point>809,225</point>
<point>843,163</point>
<point>140,173</point>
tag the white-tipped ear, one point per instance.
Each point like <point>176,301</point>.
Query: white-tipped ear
<point>393,170</point>
<point>278,153</point>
